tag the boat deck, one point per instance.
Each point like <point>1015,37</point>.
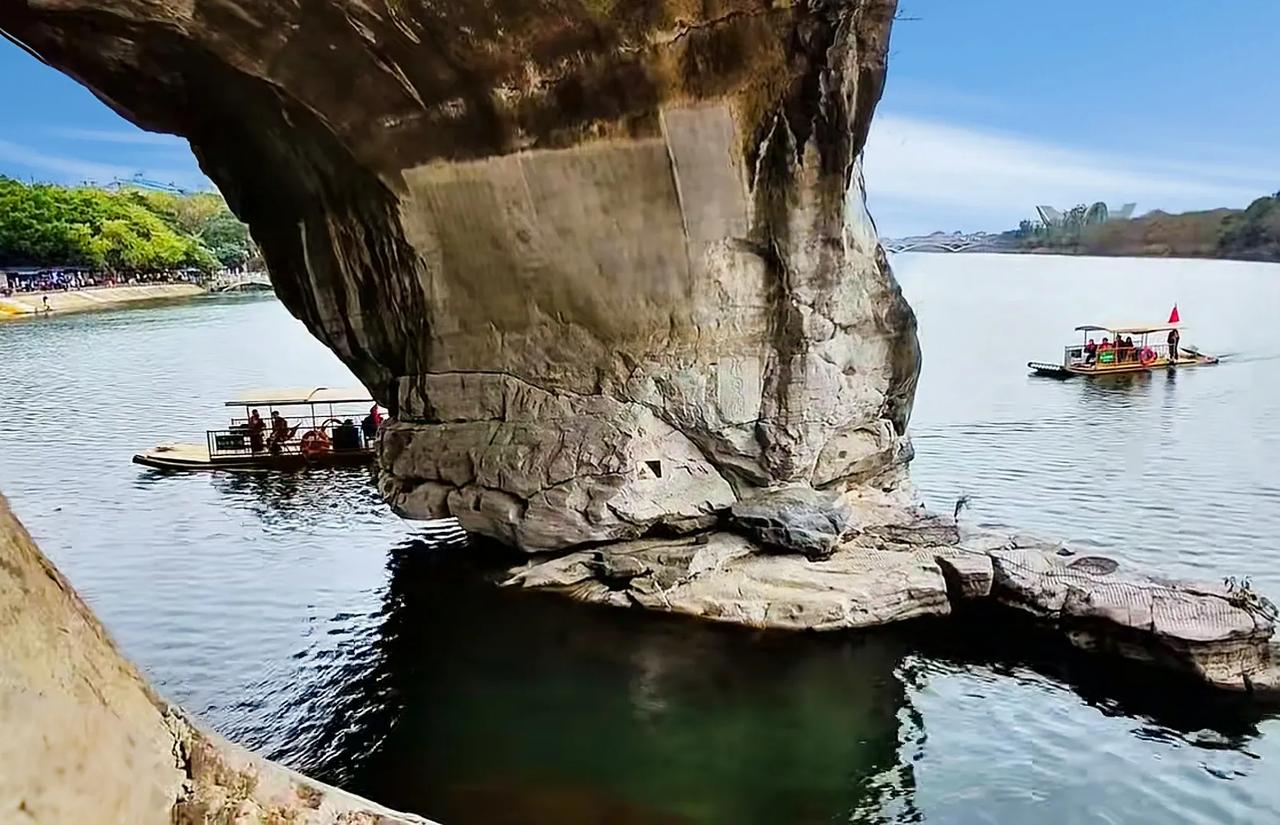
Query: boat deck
<point>196,457</point>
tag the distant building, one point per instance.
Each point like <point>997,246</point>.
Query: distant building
<point>1094,215</point>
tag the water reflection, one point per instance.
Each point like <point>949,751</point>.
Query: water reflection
<point>473,704</point>
<point>320,494</point>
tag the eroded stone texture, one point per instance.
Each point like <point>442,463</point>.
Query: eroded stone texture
<point>726,577</point>
<point>796,519</point>
<point>86,740</point>
<point>624,239</point>
<point>1204,629</point>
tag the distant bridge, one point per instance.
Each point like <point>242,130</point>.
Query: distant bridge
<point>247,282</point>
<point>943,242</point>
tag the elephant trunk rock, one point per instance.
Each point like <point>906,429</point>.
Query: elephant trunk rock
<point>608,264</point>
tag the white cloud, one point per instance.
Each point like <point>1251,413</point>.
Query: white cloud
<point>65,169</point>
<point>135,137</point>
<point>69,168</point>
<point>924,175</point>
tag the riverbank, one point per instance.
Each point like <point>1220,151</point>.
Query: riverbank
<point>27,304</point>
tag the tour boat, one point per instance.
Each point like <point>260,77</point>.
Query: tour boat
<point>318,427</point>
<point>1146,354</point>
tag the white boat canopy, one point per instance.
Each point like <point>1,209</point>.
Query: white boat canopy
<point>302,396</point>
<point>1129,329</point>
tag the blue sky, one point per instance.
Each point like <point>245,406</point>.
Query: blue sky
<point>992,107</point>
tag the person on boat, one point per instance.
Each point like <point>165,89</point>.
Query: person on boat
<point>1174,338</point>
<point>371,423</point>
<point>1106,351</point>
<point>279,430</point>
<point>257,431</point>
<point>1090,351</point>
<point>1133,351</point>
<point>346,436</point>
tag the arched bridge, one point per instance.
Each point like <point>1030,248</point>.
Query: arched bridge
<point>941,242</point>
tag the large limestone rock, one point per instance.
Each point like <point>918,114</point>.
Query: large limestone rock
<point>608,263</point>
<point>86,740</point>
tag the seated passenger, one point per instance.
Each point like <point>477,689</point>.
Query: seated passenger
<point>1090,351</point>
<point>346,436</point>
<point>1106,352</point>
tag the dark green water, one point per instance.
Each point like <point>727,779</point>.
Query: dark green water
<point>298,616</point>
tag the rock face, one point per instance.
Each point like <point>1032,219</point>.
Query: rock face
<point>86,740</point>
<point>607,263</point>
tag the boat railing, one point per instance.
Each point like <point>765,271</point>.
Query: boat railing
<point>238,442</point>
<point>1075,356</point>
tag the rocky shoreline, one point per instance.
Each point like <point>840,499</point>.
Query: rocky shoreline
<point>88,740</point>
<point>888,563</point>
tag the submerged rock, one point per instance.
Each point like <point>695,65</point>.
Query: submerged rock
<point>87,740</point>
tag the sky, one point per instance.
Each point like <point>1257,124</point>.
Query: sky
<point>991,107</point>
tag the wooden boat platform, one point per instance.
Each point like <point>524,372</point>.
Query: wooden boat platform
<point>196,457</point>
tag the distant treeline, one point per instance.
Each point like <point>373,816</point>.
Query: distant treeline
<point>1250,234</point>
<point>118,231</point>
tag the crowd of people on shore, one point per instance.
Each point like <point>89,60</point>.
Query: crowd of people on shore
<point>66,281</point>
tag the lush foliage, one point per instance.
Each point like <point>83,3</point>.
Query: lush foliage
<point>1248,234</point>
<point>126,230</point>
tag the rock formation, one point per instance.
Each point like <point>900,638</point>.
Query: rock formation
<point>87,740</point>
<point>607,263</point>
<point>893,570</point>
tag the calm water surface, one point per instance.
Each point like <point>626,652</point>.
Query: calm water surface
<point>296,614</point>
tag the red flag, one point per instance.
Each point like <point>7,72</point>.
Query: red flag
<point>1173,316</point>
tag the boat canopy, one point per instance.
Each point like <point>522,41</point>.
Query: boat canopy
<point>1134,329</point>
<point>302,395</point>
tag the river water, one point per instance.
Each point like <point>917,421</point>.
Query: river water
<point>295,614</point>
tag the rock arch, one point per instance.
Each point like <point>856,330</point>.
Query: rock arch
<point>560,239</point>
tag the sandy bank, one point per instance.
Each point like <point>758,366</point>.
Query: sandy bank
<point>30,303</point>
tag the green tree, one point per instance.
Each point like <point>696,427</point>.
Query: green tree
<point>124,231</point>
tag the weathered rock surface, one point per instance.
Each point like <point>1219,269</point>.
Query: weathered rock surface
<point>86,740</point>
<point>728,578</point>
<point>796,519</point>
<point>1220,636</point>
<point>606,263</point>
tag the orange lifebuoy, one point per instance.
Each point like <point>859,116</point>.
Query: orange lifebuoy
<point>314,443</point>
<point>1147,356</point>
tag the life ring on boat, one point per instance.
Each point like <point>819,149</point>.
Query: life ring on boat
<point>1147,357</point>
<point>314,444</point>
